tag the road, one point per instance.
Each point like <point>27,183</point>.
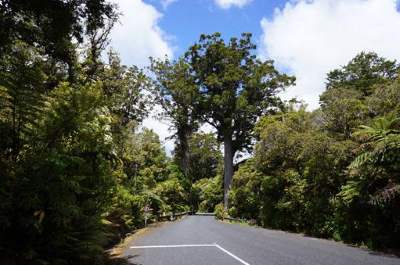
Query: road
<point>202,240</point>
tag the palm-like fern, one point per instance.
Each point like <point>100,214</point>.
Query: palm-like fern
<point>383,136</point>
<point>22,95</point>
<point>379,165</point>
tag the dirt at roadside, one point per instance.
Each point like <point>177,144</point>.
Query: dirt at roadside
<point>115,253</point>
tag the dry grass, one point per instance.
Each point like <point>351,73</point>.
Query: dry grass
<point>116,253</point>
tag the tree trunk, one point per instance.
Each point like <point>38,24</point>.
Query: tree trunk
<point>184,154</point>
<point>184,134</point>
<point>228,167</point>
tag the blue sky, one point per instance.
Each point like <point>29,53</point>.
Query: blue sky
<point>187,19</point>
<point>305,38</point>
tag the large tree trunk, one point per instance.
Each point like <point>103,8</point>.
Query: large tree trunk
<point>228,167</point>
<point>184,153</point>
<point>184,135</point>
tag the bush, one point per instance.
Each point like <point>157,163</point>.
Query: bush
<point>220,212</point>
<point>208,193</point>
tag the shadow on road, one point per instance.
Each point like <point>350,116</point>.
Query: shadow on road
<point>386,253</point>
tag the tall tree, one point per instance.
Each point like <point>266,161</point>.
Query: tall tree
<point>175,92</point>
<point>23,83</point>
<point>125,88</point>
<point>234,88</point>
<point>57,26</point>
<point>343,103</point>
<point>362,73</point>
<point>205,156</point>
<point>52,24</point>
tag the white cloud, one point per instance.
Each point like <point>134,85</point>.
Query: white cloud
<point>225,4</point>
<point>138,36</point>
<point>310,38</point>
<point>166,3</point>
<point>161,127</point>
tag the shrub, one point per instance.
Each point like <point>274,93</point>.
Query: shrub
<point>220,212</point>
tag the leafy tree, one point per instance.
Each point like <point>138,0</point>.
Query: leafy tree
<point>316,173</point>
<point>205,156</point>
<point>247,189</point>
<point>362,73</point>
<point>75,173</point>
<point>371,196</point>
<point>59,189</point>
<point>150,158</point>
<point>385,99</point>
<point>125,89</point>
<point>52,25</point>
<point>296,170</point>
<point>234,88</point>
<point>343,110</point>
<point>22,91</point>
<point>174,90</point>
<point>344,102</point>
<point>209,193</point>
<point>173,194</point>
<point>302,177</point>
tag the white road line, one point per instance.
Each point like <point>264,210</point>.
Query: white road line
<point>232,255</point>
<point>176,246</point>
<point>194,245</point>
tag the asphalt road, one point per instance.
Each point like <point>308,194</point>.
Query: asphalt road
<point>202,240</point>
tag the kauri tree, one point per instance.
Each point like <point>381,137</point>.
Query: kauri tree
<point>234,88</point>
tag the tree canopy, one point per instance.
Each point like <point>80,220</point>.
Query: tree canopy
<point>233,89</point>
<point>332,172</point>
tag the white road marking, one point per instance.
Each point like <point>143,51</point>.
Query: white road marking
<point>232,255</point>
<point>176,246</point>
<point>195,245</point>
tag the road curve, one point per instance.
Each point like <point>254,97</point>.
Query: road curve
<point>202,240</point>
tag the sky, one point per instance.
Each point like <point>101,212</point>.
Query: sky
<point>305,38</point>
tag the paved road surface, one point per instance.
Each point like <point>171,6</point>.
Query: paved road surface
<point>201,240</point>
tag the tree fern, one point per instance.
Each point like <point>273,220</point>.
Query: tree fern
<point>22,95</point>
<point>380,160</point>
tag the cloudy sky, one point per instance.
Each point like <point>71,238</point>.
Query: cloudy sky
<point>306,38</point>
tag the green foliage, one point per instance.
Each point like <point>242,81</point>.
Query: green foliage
<point>333,172</point>
<point>22,95</point>
<point>374,182</point>
<point>220,212</point>
<point>385,99</point>
<point>172,194</point>
<point>233,89</point>
<point>207,193</point>
<point>362,73</point>
<point>292,175</point>
<point>343,110</point>
<point>50,24</point>
<point>205,156</point>
<point>76,175</point>
<point>146,179</point>
<point>245,192</point>
<point>237,89</point>
<point>59,188</point>
<point>126,209</point>
<point>124,89</point>
<point>174,90</point>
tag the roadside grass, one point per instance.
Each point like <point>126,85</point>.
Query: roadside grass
<point>239,222</point>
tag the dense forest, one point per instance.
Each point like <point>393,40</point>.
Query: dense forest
<point>333,172</point>
<point>78,171</point>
